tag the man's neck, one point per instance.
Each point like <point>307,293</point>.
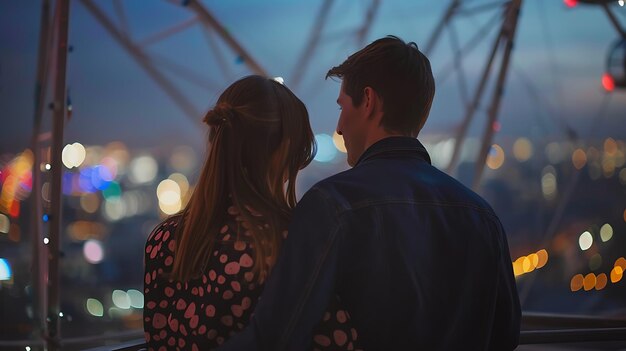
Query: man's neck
<point>378,135</point>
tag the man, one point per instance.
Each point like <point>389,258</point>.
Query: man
<point>419,261</point>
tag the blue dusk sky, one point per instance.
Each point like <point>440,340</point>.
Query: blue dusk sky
<point>557,65</point>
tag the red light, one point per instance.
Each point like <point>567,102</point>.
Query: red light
<point>14,209</point>
<point>496,126</point>
<point>607,82</point>
<point>570,3</point>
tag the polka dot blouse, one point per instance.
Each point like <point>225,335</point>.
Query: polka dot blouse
<point>204,312</point>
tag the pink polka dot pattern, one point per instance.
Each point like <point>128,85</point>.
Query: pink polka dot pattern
<point>204,312</point>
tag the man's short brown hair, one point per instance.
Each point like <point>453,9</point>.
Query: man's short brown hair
<point>399,73</point>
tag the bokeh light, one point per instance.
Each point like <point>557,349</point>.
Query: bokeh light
<point>183,159</point>
<point>136,298</point>
<point>94,307</point>
<point>93,251</point>
<point>522,149</point>
<point>120,299</point>
<point>579,158</point>
<point>495,158</point>
<point>111,165</point>
<point>73,155</point>
<point>113,191</point>
<point>5,270</point>
<point>89,202</point>
<point>168,192</point>
<point>339,142</point>
<point>607,82</point>
<point>585,241</point>
<point>170,209</point>
<point>589,282</point>
<point>543,258</point>
<point>616,274</point>
<point>606,232</point>
<point>621,262</point>
<point>527,264</point>
<point>5,223</point>
<point>114,209</point>
<point>326,150</point>
<point>601,281</point>
<point>143,169</point>
<point>595,262</point>
<point>577,282</point>
<point>570,3</point>
<point>554,152</point>
<point>549,183</point>
<point>622,176</point>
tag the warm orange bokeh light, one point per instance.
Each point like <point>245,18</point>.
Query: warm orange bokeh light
<point>543,258</point>
<point>579,158</point>
<point>577,282</point>
<point>589,282</point>
<point>616,274</point>
<point>621,262</point>
<point>601,281</point>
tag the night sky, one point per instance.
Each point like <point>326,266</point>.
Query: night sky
<point>560,52</point>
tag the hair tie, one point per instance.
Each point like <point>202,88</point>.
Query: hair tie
<point>222,113</point>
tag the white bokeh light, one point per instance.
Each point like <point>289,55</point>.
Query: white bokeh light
<point>143,169</point>
<point>585,241</point>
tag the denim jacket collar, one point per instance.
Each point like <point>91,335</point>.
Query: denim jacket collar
<point>395,144</point>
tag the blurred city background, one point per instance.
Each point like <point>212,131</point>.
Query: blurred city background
<point>141,74</point>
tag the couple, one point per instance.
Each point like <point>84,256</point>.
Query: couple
<point>392,254</point>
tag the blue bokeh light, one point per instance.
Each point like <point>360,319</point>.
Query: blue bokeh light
<point>326,150</point>
<point>5,270</point>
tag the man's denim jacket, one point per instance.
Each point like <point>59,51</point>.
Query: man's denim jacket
<point>419,261</point>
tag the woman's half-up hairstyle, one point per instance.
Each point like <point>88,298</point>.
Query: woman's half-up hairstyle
<point>259,138</point>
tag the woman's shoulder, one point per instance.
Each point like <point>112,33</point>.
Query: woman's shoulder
<point>164,230</point>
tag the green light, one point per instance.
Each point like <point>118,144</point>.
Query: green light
<point>94,307</point>
<point>113,190</point>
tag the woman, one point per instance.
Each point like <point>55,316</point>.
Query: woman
<point>205,267</point>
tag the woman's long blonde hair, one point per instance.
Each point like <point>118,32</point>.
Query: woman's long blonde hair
<point>259,138</point>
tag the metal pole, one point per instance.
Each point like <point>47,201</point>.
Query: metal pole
<point>144,61</point>
<point>511,27</point>
<point>38,260</point>
<point>53,327</point>
<point>369,18</point>
<point>442,23</point>
<point>614,21</point>
<point>312,43</point>
<point>471,109</point>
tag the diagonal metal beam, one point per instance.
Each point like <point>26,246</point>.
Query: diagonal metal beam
<point>367,23</point>
<point>473,106</point>
<point>144,62</point>
<point>614,21</point>
<point>313,42</point>
<point>510,27</point>
<point>450,11</point>
<point>211,22</point>
<point>168,32</point>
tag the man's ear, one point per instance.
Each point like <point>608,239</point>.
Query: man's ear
<point>372,101</point>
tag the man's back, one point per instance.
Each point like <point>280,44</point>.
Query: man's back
<point>423,261</point>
